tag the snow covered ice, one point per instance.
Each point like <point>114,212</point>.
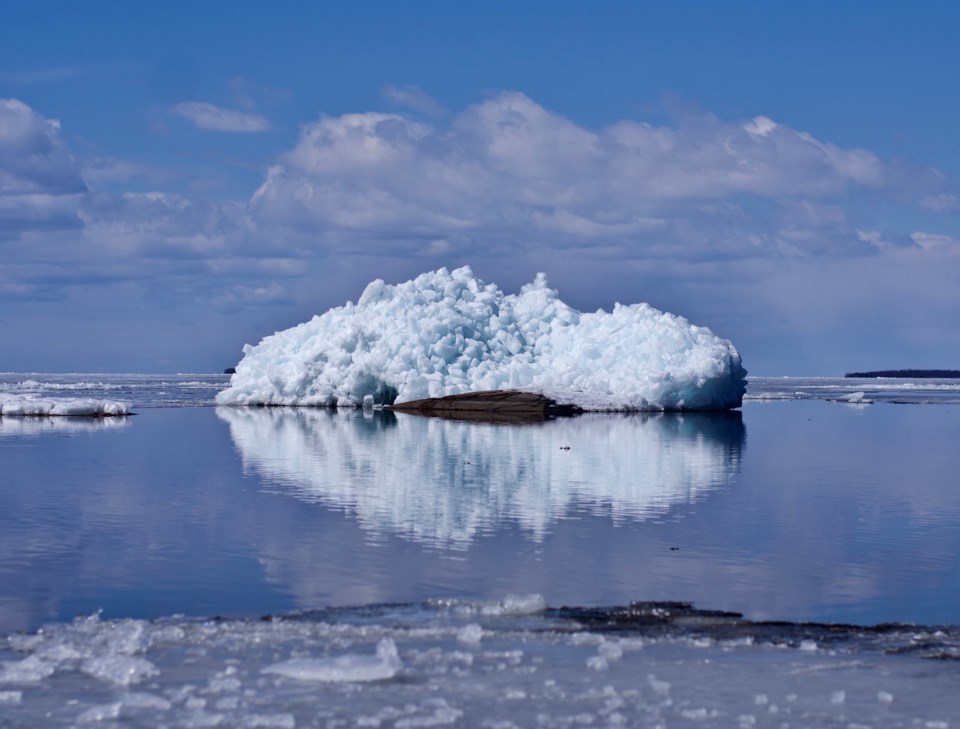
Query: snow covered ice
<point>27,405</point>
<point>446,333</point>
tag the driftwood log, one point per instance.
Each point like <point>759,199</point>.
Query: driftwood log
<point>491,406</point>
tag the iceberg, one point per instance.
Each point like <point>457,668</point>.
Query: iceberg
<point>448,333</point>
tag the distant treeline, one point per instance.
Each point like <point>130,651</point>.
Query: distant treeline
<point>916,374</point>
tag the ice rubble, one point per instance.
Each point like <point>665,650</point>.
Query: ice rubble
<point>446,333</point>
<point>519,669</point>
<point>44,406</point>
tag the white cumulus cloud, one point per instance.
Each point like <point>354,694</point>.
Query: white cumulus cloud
<point>40,181</point>
<point>216,119</point>
<point>509,168</point>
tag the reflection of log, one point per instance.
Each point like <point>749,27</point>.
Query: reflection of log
<point>491,406</point>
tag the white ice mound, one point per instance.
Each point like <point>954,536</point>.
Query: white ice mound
<point>46,406</point>
<point>446,333</point>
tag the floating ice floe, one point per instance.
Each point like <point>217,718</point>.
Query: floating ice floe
<point>42,406</point>
<point>856,398</point>
<point>447,333</point>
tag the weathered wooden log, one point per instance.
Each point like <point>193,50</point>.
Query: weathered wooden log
<point>498,406</point>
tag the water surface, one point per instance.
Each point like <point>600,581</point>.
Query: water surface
<point>792,510</point>
<point>415,570</point>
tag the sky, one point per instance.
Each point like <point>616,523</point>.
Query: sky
<point>178,179</point>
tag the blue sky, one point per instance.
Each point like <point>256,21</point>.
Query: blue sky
<point>179,179</point>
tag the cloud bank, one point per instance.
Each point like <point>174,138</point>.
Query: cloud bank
<point>750,226</point>
<point>40,181</point>
<point>509,170</point>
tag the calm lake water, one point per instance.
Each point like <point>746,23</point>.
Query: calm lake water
<point>795,509</point>
<point>415,569</point>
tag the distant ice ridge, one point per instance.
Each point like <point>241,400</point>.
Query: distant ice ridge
<point>26,405</point>
<point>446,333</point>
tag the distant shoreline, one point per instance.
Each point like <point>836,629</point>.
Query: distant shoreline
<point>916,374</point>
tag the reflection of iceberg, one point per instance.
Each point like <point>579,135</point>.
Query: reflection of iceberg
<point>445,482</point>
<point>39,425</point>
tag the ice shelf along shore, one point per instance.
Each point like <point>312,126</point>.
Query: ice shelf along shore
<point>447,333</point>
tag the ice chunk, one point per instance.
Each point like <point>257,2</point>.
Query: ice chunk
<point>119,669</point>
<point>447,333</point>
<point>385,664</point>
<point>29,405</point>
<point>858,398</point>
<point>30,670</point>
<point>101,712</point>
<point>516,605</point>
<point>471,634</point>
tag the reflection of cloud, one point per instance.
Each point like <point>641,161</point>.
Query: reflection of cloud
<point>445,482</point>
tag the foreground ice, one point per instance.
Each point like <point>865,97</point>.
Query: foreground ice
<point>384,664</point>
<point>43,406</point>
<point>503,664</point>
<point>446,333</point>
